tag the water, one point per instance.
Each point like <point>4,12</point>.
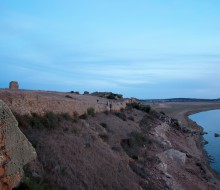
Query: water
<point>210,121</point>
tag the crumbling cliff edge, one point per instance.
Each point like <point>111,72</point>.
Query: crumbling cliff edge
<point>193,141</point>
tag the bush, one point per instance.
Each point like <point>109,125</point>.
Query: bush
<point>106,112</point>
<point>28,183</point>
<point>113,96</point>
<point>140,171</point>
<point>74,92</point>
<point>86,92</point>
<point>138,106</point>
<point>64,116</point>
<point>104,125</point>
<point>162,113</point>
<point>75,130</point>
<point>131,118</point>
<point>139,138</point>
<point>50,120</point>
<point>121,116</point>
<point>23,120</point>
<point>83,116</point>
<point>75,117</point>
<point>145,108</point>
<point>103,136</point>
<point>117,149</point>
<point>133,145</point>
<point>91,111</point>
<point>133,105</point>
<point>68,96</point>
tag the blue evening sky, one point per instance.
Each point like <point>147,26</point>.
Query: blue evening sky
<point>143,48</point>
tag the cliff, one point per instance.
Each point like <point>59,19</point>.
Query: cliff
<point>15,149</point>
<point>131,147</point>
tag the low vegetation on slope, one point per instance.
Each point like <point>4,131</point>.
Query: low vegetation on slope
<point>108,150</point>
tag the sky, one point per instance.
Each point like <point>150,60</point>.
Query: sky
<point>147,49</point>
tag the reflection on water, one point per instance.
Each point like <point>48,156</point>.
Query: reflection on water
<point>210,121</point>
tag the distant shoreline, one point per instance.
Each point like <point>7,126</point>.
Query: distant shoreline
<point>181,100</point>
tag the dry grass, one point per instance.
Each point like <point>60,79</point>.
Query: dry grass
<point>78,154</point>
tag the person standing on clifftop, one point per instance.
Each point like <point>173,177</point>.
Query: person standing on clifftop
<point>110,106</point>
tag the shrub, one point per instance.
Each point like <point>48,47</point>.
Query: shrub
<point>133,105</point>
<point>117,149</point>
<point>106,112</point>
<point>140,171</point>
<point>28,183</point>
<point>121,116</point>
<point>50,120</point>
<point>131,118</point>
<point>83,116</point>
<point>36,122</point>
<point>133,145</point>
<point>162,112</point>
<point>139,138</point>
<point>68,96</point>
<point>145,108</point>
<point>138,106</point>
<point>73,92</point>
<point>111,96</point>
<point>104,125</point>
<point>86,92</point>
<point>75,130</point>
<point>103,136</point>
<point>64,116</point>
<point>23,120</point>
<point>75,117</point>
<point>134,157</point>
<point>91,111</point>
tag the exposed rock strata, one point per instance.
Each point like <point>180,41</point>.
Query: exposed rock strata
<point>15,149</point>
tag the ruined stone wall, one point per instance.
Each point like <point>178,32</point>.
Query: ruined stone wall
<point>15,149</point>
<point>13,85</point>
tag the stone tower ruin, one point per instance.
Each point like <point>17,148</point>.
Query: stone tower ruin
<point>13,85</point>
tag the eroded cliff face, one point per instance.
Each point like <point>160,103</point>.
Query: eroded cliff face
<point>15,149</point>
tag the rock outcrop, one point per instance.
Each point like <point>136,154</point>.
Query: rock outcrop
<point>15,149</point>
<point>13,85</point>
<point>174,155</point>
